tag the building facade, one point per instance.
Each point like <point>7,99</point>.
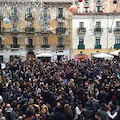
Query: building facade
<point>96,32</point>
<point>35,27</point>
<point>95,27</point>
<point>95,6</point>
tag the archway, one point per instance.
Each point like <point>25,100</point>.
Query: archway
<point>31,56</point>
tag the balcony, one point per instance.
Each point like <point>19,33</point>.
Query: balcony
<point>116,30</point>
<point>81,46</point>
<point>13,17</point>
<point>1,46</point>
<point>60,46</point>
<point>29,30</point>
<point>61,30</point>
<point>81,30</point>
<point>29,16</point>
<point>30,46</point>
<point>45,46</point>
<point>97,46</point>
<point>14,46</point>
<point>44,32</point>
<point>98,30</point>
<point>15,30</point>
<point>117,46</point>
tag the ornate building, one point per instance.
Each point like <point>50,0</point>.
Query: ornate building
<point>31,27</point>
<point>96,27</point>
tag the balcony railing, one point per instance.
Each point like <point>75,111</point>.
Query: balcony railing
<point>116,30</point>
<point>30,46</point>
<point>14,17</point>
<point>97,46</point>
<point>15,30</point>
<point>1,46</point>
<point>97,29</point>
<point>14,46</point>
<point>81,30</point>
<point>29,16</point>
<point>45,46</point>
<point>61,30</point>
<point>44,32</point>
<point>81,46</point>
<point>117,46</point>
<point>60,46</point>
<point>29,30</point>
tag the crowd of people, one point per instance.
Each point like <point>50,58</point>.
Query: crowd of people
<point>61,90</point>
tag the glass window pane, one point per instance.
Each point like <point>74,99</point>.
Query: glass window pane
<point>30,41</point>
<point>45,40</point>
<point>117,40</point>
<point>81,41</point>
<point>81,24</point>
<point>97,42</point>
<point>117,23</point>
<point>98,24</point>
<point>60,41</point>
<point>60,24</point>
<point>14,41</point>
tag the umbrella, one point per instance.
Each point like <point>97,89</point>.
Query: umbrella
<point>103,55</point>
<point>116,53</point>
<point>44,55</point>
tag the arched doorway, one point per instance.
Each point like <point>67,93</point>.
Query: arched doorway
<point>31,56</point>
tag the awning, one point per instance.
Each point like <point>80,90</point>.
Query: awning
<point>116,53</point>
<point>44,55</point>
<point>103,55</point>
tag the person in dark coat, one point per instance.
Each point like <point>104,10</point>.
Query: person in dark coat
<point>87,112</point>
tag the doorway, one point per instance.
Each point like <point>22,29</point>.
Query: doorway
<point>31,56</point>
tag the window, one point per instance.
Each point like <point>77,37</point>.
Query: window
<point>14,24</point>
<point>86,1</point>
<point>98,8</point>
<point>81,24</point>
<point>30,41</point>
<point>77,10</point>
<point>0,26</point>
<point>30,25</point>
<point>98,24</point>
<point>97,41</point>
<point>45,40</point>
<point>0,13</point>
<point>76,1</point>
<point>0,41</point>
<point>81,40</point>
<point>15,41</point>
<point>117,40</point>
<point>60,41</point>
<point>60,24</point>
<point>98,1</point>
<point>29,12</point>
<point>117,23</point>
<point>114,1</point>
<point>60,12</point>
<point>14,12</point>
<point>86,9</point>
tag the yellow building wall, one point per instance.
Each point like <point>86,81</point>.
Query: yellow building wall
<point>90,51</point>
